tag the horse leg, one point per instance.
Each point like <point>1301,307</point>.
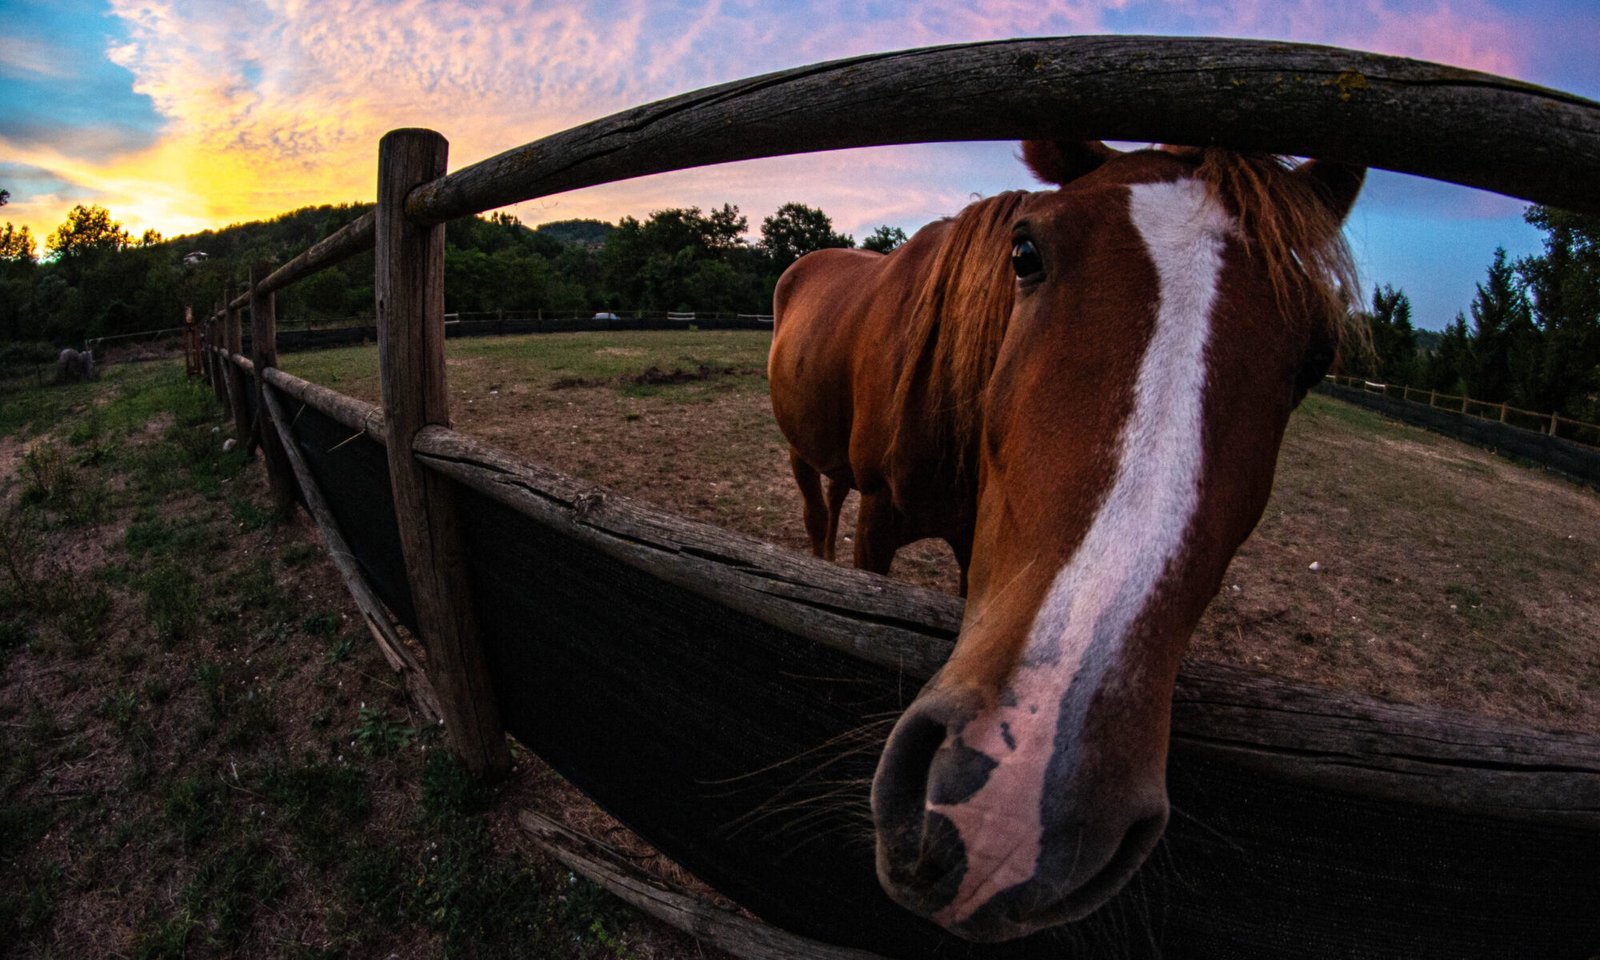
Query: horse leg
<point>816,512</point>
<point>877,532</point>
<point>837,491</point>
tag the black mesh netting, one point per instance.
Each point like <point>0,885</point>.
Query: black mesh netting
<point>727,743</point>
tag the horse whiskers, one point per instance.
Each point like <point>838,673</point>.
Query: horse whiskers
<point>860,738</point>
<point>841,797</point>
<point>853,826</point>
<point>1206,827</point>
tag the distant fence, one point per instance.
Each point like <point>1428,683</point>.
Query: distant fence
<point>1551,424</point>
<point>322,334</point>
<point>703,686</point>
<point>1577,460</point>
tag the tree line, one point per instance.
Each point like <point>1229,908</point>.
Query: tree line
<point>94,279</point>
<point>1530,337</point>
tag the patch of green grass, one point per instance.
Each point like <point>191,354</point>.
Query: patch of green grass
<point>171,603</point>
<point>484,364</point>
<point>323,804</point>
<point>377,735</point>
<point>147,534</point>
<point>321,624</point>
<point>28,904</point>
<point>255,588</point>
<point>47,478</point>
<point>79,612</point>
<point>299,554</point>
<point>485,905</point>
<point>250,516</point>
<point>341,649</point>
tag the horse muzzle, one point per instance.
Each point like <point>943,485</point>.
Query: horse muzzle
<point>994,845</point>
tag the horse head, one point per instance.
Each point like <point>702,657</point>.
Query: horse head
<point>1168,310</point>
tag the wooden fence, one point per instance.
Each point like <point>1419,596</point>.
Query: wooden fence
<point>1580,431</point>
<point>719,694</point>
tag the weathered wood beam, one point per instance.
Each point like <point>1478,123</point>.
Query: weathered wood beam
<point>264,356</point>
<point>1393,113</point>
<point>356,414</point>
<point>722,928</point>
<point>1346,742</point>
<point>352,238</point>
<point>233,344</point>
<point>376,615</point>
<point>409,288</point>
<point>896,625</point>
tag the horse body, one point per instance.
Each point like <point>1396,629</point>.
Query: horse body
<point>1093,424</point>
<point>850,353</point>
<point>75,365</point>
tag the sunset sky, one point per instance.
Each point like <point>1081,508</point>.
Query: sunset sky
<point>182,115</point>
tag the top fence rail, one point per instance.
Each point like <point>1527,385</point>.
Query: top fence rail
<point>1410,116</point>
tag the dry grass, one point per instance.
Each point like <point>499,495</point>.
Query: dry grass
<point>1446,575</point>
<point>205,754</point>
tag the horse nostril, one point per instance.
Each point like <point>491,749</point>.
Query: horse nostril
<point>1138,842</point>
<point>900,789</point>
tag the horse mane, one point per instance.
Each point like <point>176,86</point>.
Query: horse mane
<point>1284,220</point>
<point>956,323</point>
<point>958,317</point>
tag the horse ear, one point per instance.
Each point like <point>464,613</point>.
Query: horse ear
<point>1336,183</point>
<point>1063,161</point>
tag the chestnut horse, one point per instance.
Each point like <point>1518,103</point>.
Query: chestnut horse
<point>1083,391</point>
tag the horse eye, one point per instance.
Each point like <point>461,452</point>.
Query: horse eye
<point>1025,259</point>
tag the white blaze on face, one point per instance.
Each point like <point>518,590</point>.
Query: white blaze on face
<point>1137,533</point>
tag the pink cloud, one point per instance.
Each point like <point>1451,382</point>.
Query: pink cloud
<point>1469,33</point>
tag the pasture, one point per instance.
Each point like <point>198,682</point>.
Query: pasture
<point>204,753</point>
<point>1444,575</point>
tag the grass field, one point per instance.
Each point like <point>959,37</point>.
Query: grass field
<point>1445,575</point>
<point>204,753</point>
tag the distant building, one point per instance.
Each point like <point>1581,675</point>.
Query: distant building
<point>195,256</point>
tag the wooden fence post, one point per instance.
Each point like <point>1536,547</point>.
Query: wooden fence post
<point>409,288</point>
<point>236,388</point>
<point>264,354</point>
<point>219,379</point>
<point>204,329</point>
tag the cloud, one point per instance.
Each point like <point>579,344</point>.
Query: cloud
<point>32,59</point>
<point>1462,33</point>
<point>267,105</point>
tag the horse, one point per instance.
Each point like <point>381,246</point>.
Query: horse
<point>73,365</point>
<point>1082,390</point>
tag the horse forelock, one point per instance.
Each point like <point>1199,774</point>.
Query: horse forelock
<point>1296,236</point>
<point>957,320</point>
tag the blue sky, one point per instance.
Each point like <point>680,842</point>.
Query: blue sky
<point>181,115</point>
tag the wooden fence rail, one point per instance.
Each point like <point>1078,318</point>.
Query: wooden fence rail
<point>675,671</point>
<point>1464,404</point>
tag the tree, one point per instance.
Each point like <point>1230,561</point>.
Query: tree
<point>18,275</point>
<point>87,230</point>
<point>796,230</point>
<point>1448,367</point>
<point>1501,321</point>
<point>662,263</point>
<point>1564,285</point>
<point>16,244</point>
<point>1394,340</point>
<point>884,239</point>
